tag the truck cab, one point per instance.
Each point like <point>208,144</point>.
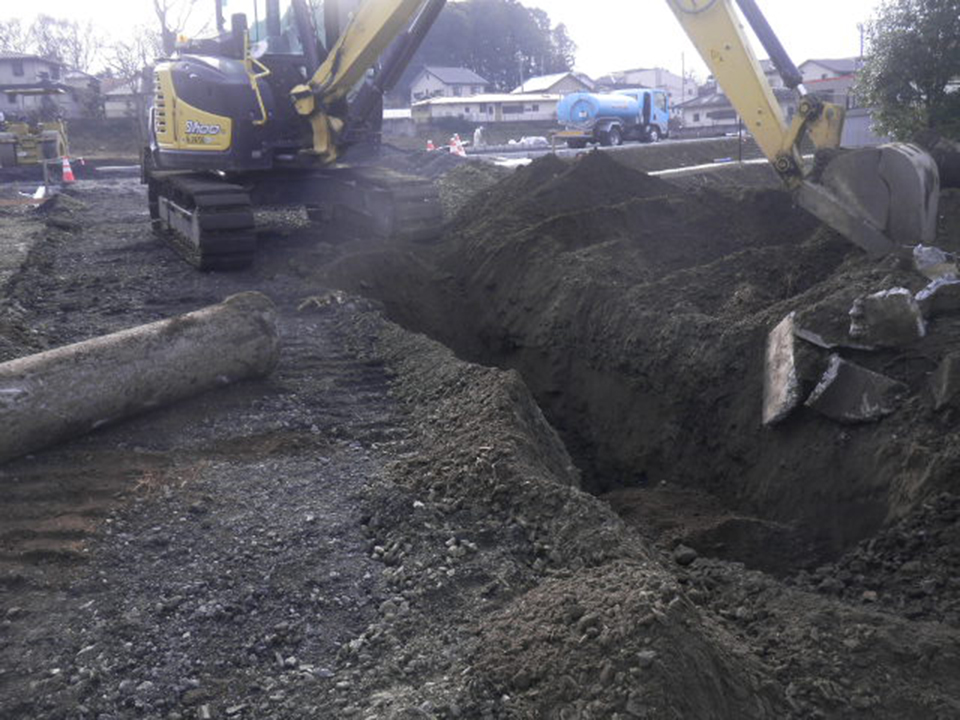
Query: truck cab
<point>609,119</point>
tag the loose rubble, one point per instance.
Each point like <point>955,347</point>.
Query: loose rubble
<point>848,393</point>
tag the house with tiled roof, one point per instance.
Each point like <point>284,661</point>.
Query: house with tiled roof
<point>562,83</point>
<point>434,81</point>
<point>30,84</point>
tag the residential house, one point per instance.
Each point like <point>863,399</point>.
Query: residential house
<point>433,81</point>
<point>827,69</point>
<point>678,90</point>
<point>714,112</point>
<point>557,84</point>
<point>489,108</point>
<point>124,98</point>
<point>772,74</point>
<point>832,80</point>
<point>30,84</point>
<point>398,122</point>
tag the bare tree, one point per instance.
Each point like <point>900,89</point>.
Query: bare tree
<point>67,41</point>
<point>173,16</point>
<point>127,59</point>
<point>13,37</point>
<point>132,61</point>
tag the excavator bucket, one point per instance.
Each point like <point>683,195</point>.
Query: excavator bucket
<point>882,198</point>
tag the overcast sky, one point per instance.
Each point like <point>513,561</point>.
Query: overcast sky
<point>617,35</point>
<point>610,34</point>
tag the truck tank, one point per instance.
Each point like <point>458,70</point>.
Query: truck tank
<point>585,108</point>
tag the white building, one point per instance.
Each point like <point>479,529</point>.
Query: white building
<point>715,111</point>
<point>433,81</point>
<point>124,99</point>
<point>677,90</point>
<point>31,84</point>
<point>489,108</point>
<point>557,84</point>
<point>829,69</point>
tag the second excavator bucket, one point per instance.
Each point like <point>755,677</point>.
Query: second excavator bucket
<point>883,198</point>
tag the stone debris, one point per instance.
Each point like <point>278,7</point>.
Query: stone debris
<point>890,318</point>
<point>684,555</point>
<point>781,384</point>
<point>826,325</point>
<point>791,370</point>
<point>849,393</point>
<point>940,297</point>
<point>945,382</point>
<point>934,263</point>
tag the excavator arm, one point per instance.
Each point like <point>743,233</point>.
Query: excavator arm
<point>376,25</point>
<point>879,198</point>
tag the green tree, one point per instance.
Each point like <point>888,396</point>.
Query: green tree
<point>501,40</point>
<point>914,53</point>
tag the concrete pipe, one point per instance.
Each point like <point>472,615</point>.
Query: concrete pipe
<point>60,394</point>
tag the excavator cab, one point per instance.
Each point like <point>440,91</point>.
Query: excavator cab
<point>882,199</point>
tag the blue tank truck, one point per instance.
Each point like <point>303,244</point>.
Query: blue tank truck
<point>609,119</point>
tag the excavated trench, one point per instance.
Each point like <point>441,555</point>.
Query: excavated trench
<point>637,313</point>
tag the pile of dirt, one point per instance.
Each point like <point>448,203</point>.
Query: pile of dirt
<point>428,164</point>
<point>637,313</point>
<point>911,568</point>
<point>460,185</point>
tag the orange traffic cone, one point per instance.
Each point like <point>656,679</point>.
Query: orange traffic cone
<point>67,171</point>
<point>430,145</point>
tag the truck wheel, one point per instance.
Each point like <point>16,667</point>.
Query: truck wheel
<point>613,138</point>
<point>653,134</point>
<point>576,144</point>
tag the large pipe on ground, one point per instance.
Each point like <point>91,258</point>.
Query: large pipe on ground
<point>60,394</point>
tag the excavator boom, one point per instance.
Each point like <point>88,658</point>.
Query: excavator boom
<point>879,198</point>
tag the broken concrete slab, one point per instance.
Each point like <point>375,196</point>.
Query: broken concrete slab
<point>941,297</point>
<point>934,263</point>
<point>781,384</point>
<point>890,318</point>
<point>849,393</point>
<point>945,382</point>
<point>826,324</point>
<point>790,370</point>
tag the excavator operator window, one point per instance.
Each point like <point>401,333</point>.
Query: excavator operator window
<point>277,36</point>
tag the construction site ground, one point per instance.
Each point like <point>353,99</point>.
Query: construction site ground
<point>514,472</point>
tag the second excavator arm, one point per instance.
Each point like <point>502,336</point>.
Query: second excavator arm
<point>376,25</point>
<point>879,198</point>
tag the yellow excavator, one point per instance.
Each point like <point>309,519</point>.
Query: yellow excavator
<point>883,199</point>
<point>286,111</point>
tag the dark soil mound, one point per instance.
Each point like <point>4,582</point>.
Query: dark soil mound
<point>549,187</point>
<point>637,312</point>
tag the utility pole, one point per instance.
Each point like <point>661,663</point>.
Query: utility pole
<point>683,77</point>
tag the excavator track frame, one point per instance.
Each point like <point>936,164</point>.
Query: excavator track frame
<point>208,221</point>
